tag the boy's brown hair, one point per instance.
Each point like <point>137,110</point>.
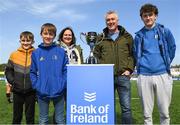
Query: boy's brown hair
<point>49,27</point>
<point>148,8</point>
<point>27,35</point>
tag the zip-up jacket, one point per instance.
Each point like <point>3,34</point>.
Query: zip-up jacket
<point>49,71</point>
<point>18,69</point>
<point>166,43</point>
<point>118,52</point>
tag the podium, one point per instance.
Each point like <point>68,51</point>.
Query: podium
<point>90,94</point>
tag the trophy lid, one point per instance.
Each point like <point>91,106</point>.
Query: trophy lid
<point>92,34</point>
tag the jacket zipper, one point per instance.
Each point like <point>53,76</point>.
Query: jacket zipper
<point>116,56</point>
<point>25,71</point>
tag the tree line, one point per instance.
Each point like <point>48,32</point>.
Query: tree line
<point>2,67</point>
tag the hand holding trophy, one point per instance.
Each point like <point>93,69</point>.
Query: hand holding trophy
<point>92,39</point>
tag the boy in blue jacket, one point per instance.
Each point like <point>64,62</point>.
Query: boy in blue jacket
<point>48,75</point>
<point>154,50</point>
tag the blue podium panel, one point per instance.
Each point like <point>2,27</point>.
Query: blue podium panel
<point>90,94</point>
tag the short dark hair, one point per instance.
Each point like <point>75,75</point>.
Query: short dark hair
<point>147,8</point>
<point>60,36</point>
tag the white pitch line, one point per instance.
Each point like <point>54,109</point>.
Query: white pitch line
<point>131,98</point>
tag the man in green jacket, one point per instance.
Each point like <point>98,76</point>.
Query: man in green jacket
<point>116,48</point>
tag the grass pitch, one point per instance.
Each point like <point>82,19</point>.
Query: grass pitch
<point>6,108</point>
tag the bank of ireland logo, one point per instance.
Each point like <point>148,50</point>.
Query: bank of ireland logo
<point>90,97</point>
<point>89,113</point>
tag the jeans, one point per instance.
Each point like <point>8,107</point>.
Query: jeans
<point>123,87</point>
<point>44,110</point>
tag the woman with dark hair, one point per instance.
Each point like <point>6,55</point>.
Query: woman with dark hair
<point>67,40</point>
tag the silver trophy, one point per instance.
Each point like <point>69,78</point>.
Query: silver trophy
<point>92,39</point>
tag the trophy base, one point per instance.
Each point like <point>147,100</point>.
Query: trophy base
<point>91,60</point>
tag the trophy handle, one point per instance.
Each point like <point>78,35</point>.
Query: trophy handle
<point>102,38</point>
<point>84,34</point>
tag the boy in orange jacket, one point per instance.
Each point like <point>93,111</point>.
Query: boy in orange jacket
<point>18,75</point>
